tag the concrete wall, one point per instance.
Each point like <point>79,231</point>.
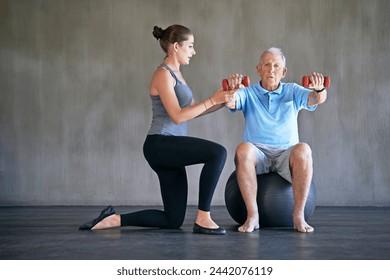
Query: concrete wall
<point>74,105</point>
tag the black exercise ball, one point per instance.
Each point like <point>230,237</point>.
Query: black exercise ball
<point>274,199</point>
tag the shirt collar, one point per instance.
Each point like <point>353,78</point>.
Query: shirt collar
<point>277,91</point>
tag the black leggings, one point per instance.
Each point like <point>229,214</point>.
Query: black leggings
<point>168,156</point>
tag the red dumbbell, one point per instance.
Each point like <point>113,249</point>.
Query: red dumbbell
<point>306,81</point>
<point>225,84</point>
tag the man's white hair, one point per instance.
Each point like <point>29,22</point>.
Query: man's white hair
<point>274,50</point>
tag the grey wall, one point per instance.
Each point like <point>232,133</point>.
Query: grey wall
<point>74,105</point>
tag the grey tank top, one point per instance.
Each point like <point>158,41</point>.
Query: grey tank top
<point>161,122</point>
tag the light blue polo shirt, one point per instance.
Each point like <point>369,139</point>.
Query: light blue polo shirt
<point>271,117</point>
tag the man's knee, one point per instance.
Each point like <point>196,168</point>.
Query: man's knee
<point>245,153</point>
<point>301,153</point>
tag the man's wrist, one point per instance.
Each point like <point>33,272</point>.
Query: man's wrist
<point>321,90</point>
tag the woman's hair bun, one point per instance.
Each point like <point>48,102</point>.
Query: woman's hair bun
<point>157,32</point>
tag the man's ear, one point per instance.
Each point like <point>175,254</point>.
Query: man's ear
<point>284,72</point>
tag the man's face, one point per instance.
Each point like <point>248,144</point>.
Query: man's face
<point>272,70</point>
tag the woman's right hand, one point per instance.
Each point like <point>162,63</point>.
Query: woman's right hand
<point>222,97</point>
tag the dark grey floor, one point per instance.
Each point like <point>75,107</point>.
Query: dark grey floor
<point>51,233</point>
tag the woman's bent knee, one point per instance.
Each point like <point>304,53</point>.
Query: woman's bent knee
<point>220,153</point>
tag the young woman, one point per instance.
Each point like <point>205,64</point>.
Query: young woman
<point>167,147</point>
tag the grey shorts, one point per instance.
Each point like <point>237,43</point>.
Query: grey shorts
<point>271,159</point>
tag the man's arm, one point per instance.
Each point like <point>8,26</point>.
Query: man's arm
<point>319,93</point>
<point>235,81</point>
<point>232,103</point>
<point>316,98</point>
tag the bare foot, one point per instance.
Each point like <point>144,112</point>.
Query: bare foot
<point>251,224</point>
<point>108,222</point>
<point>301,225</point>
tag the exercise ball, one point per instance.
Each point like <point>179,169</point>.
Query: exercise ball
<point>275,200</point>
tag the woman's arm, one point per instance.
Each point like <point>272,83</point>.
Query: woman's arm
<point>216,107</point>
<point>163,83</point>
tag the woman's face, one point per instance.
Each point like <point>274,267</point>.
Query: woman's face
<point>185,50</point>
